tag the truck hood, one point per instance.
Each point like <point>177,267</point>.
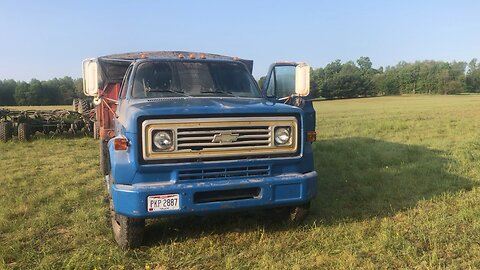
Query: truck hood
<point>130,110</point>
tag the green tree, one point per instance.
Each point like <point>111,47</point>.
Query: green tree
<point>7,92</point>
<point>261,82</point>
<point>22,93</point>
<point>472,79</point>
<point>78,85</point>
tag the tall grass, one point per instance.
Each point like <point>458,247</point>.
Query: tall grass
<point>398,188</point>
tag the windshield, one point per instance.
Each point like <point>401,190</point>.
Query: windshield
<point>193,78</point>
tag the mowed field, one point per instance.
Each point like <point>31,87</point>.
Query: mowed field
<point>398,188</point>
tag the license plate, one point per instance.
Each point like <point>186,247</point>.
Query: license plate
<point>163,202</point>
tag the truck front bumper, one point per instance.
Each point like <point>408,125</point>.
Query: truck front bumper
<point>280,190</point>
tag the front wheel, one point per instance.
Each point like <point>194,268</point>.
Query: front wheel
<point>298,214</point>
<point>292,214</point>
<point>128,232</point>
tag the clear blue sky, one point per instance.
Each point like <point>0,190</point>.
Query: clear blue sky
<point>46,39</point>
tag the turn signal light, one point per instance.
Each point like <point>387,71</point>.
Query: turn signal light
<point>311,136</point>
<point>120,144</point>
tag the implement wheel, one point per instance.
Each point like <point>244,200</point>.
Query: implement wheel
<point>83,105</point>
<point>23,132</point>
<point>75,105</point>
<point>5,131</point>
<point>128,232</point>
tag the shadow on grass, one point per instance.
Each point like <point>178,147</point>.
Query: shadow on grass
<point>362,178</point>
<point>193,227</point>
<point>359,178</point>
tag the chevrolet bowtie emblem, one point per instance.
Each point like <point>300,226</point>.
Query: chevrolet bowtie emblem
<point>225,138</point>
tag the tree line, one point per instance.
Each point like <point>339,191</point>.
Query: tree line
<point>335,80</point>
<point>359,79</point>
<point>56,91</point>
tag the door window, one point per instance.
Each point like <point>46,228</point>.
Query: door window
<point>123,88</point>
<point>284,80</point>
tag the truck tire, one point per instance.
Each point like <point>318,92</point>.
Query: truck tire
<point>291,214</point>
<point>128,232</point>
<point>23,132</point>
<point>298,214</point>
<point>104,158</point>
<point>5,131</point>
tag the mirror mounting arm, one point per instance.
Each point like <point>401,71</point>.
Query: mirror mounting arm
<point>106,101</point>
<point>294,100</point>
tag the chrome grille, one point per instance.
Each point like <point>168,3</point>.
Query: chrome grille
<point>223,173</point>
<point>219,138</point>
<point>197,139</point>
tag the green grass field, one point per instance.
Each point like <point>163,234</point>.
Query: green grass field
<point>398,188</point>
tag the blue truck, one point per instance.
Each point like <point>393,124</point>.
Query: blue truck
<point>185,133</point>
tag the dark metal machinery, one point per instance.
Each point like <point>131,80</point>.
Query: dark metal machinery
<point>23,124</point>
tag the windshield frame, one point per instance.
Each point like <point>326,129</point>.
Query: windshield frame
<point>139,62</point>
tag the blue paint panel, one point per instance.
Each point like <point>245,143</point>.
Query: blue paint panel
<point>131,110</point>
<point>288,181</point>
<point>287,192</point>
<point>131,200</point>
<point>309,116</point>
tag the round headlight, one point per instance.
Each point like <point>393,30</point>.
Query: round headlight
<point>282,135</point>
<point>163,140</point>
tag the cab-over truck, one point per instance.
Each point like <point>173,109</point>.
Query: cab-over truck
<point>185,133</point>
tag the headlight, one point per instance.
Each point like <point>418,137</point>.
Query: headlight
<point>282,135</point>
<point>163,140</point>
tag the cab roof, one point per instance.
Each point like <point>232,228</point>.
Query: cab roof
<point>163,54</point>
<point>114,66</point>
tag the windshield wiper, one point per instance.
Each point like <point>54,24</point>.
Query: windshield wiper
<point>179,92</point>
<point>218,92</point>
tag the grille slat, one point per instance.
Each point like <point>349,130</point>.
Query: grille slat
<point>181,132</point>
<point>223,173</point>
<point>242,143</point>
<point>199,138</point>
<point>210,138</point>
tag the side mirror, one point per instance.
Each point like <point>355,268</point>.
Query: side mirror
<point>302,79</point>
<point>286,79</point>
<point>90,77</point>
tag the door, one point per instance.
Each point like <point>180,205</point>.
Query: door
<point>289,82</point>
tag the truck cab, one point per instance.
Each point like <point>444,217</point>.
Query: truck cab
<point>185,133</point>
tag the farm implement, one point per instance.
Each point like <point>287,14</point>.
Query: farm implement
<point>24,124</point>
